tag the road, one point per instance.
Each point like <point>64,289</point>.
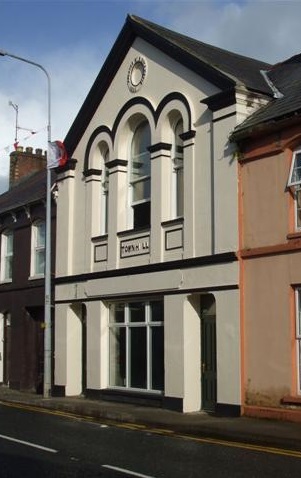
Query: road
<point>35,444</point>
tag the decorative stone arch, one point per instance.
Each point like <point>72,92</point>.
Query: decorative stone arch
<point>101,135</point>
<point>173,107</point>
<point>126,125</point>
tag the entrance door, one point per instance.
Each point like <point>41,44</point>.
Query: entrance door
<point>208,352</point>
<point>6,348</point>
<point>84,348</point>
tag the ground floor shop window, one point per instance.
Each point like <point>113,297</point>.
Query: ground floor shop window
<point>137,345</point>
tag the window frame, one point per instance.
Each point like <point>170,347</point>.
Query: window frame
<point>5,257</point>
<point>297,208</point>
<point>128,326</point>
<point>104,200</point>
<point>134,204</point>
<point>298,337</point>
<point>36,248</point>
<point>176,212</point>
<point>291,182</point>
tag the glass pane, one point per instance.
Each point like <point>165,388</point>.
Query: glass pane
<point>142,215</point>
<point>117,313</point>
<point>41,234</point>
<point>142,139</point>
<point>298,325</point>
<point>40,262</point>
<point>138,357</point>
<point>8,267</point>
<point>157,311</point>
<point>9,243</point>
<point>140,165</point>
<point>296,176</point>
<point>118,356</point>
<point>298,208</point>
<point>180,193</point>
<point>157,350</point>
<point>106,179</point>
<point>140,156</point>
<point>141,190</point>
<point>136,312</point>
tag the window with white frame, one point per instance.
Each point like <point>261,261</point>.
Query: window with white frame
<point>136,345</point>
<point>298,336</point>
<point>294,182</point>
<point>140,175</point>
<point>177,186</point>
<point>38,239</point>
<point>6,255</point>
<point>297,197</point>
<point>295,171</point>
<point>104,211</point>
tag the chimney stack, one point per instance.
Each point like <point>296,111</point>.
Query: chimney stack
<point>23,163</point>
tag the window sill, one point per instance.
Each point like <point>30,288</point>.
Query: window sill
<point>291,400</point>
<point>171,222</point>
<point>294,235</point>
<point>6,281</point>
<point>36,277</point>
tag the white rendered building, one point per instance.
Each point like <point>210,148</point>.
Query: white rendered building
<point>147,300</point>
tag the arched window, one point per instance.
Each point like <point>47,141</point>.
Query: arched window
<point>140,175</point>
<point>105,192</point>
<point>177,186</point>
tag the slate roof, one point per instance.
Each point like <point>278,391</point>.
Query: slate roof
<point>239,68</point>
<point>221,67</point>
<point>286,76</point>
<point>28,191</point>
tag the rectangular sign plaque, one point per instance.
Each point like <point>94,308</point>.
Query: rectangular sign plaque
<point>135,247</point>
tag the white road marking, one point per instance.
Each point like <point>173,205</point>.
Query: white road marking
<point>127,472</point>
<point>27,443</point>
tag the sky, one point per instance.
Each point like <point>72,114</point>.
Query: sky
<point>72,38</point>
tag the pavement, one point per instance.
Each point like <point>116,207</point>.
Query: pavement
<point>255,431</point>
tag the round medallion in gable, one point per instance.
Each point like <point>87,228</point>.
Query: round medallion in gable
<point>136,74</point>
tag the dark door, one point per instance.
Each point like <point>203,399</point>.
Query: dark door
<point>208,352</point>
<point>6,349</point>
<point>84,348</point>
<point>33,376</point>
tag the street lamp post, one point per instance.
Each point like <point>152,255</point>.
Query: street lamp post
<point>47,317</point>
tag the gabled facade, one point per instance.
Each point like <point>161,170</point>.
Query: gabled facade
<point>22,243</point>
<point>147,278</point>
<point>270,234</point>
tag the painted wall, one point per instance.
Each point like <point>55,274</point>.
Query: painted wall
<point>265,202</point>
<point>270,355</point>
<point>211,198</point>
<point>271,255</point>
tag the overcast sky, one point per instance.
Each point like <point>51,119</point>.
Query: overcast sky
<point>71,39</point>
